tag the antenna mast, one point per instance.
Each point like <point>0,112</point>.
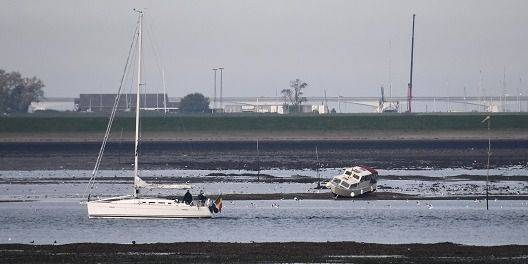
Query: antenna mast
<point>138,90</point>
<point>258,160</point>
<point>410,85</point>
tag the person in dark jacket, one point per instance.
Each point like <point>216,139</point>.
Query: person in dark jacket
<point>202,198</point>
<point>187,198</point>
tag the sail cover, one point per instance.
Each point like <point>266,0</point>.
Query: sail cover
<point>140,183</point>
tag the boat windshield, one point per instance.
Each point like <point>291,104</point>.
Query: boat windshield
<point>337,181</point>
<point>345,184</point>
<point>348,173</point>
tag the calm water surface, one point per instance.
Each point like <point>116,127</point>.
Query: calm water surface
<point>466,222</point>
<point>56,215</point>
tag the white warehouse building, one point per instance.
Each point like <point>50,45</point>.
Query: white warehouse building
<point>272,108</point>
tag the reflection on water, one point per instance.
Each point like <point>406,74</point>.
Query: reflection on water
<point>465,222</point>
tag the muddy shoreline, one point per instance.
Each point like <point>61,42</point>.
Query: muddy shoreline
<point>326,195</point>
<point>297,154</point>
<point>251,178</point>
<point>322,134</point>
<point>371,196</point>
<point>300,252</point>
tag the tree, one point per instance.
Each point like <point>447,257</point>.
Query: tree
<point>293,96</point>
<point>4,91</point>
<point>195,103</point>
<point>17,93</point>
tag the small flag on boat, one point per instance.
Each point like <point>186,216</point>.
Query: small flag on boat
<point>218,203</point>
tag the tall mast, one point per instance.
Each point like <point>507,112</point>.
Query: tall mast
<point>317,168</point>
<point>164,91</point>
<point>409,92</point>
<point>221,88</point>
<point>390,69</point>
<point>258,160</point>
<point>136,150</point>
<point>214,87</point>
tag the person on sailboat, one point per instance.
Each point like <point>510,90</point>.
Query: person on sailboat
<point>187,198</point>
<point>202,198</point>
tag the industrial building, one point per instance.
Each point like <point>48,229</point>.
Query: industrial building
<point>127,102</point>
<point>272,108</point>
<point>254,108</point>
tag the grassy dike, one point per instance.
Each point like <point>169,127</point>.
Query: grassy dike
<point>342,124</point>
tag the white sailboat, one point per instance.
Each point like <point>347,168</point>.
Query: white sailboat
<point>137,206</point>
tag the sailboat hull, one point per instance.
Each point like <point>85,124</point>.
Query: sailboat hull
<point>145,208</point>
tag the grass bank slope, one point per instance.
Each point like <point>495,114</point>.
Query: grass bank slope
<point>90,127</point>
<point>278,123</point>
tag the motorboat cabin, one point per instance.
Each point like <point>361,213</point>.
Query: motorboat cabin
<point>354,181</point>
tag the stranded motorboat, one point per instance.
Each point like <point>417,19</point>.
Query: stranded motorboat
<point>354,181</point>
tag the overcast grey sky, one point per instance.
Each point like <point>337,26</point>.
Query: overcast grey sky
<point>342,46</point>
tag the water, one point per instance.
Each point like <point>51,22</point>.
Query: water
<point>56,214</point>
<point>324,173</point>
<point>446,172</point>
<point>466,222</point>
<point>46,184</point>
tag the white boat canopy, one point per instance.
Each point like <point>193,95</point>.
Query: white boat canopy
<point>140,183</point>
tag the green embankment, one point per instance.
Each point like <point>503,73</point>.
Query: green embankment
<point>277,123</point>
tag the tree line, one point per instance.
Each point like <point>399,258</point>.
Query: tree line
<point>17,92</point>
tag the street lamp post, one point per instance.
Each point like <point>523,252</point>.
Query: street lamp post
<point>221,86</point>
<point>214,87</point>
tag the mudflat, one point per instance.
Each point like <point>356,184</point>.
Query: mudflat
<point>284,154</point>
<point>289,252</point>
<point>252,135</point>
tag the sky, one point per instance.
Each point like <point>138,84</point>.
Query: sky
<point>348,48</point>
